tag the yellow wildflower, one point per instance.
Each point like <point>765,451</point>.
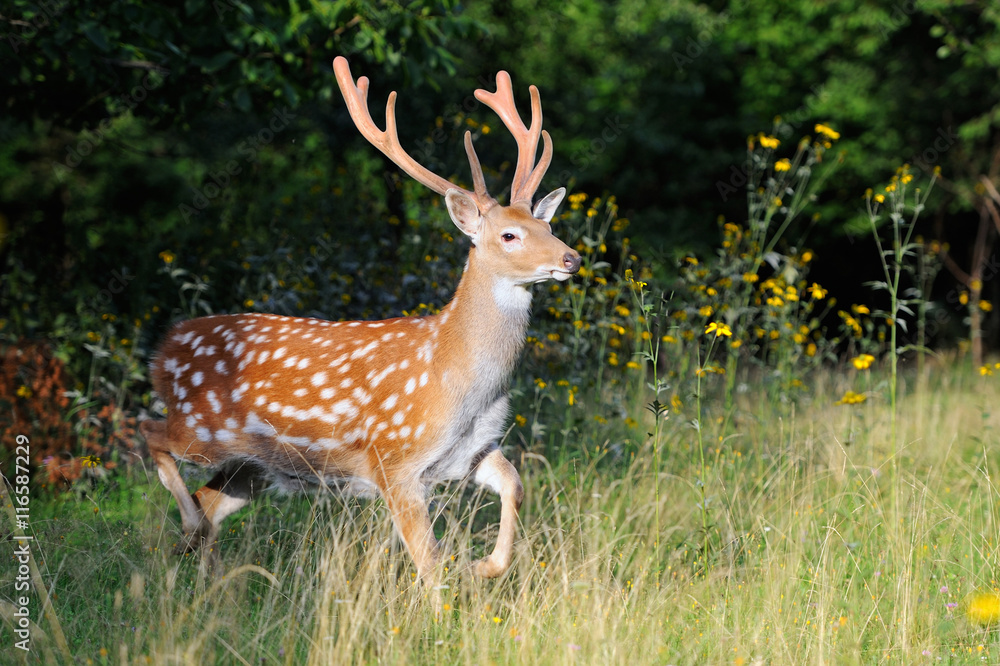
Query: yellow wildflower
<point>985,306</point>
<point>705,311</point>
<point>852,398</point>
<point>817,292</point>
<point>863,362</point>
<point>783,165</point>
<point>719,328</point>
<point>769,142</point>
<point>984,608</point>
<point>167,256</point>
<point>827,131</point>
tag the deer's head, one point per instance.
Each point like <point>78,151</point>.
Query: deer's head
<point>515,241</point>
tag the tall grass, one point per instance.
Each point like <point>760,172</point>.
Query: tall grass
<point>816,565</point>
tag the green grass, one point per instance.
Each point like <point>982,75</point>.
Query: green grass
<point>810,560</point>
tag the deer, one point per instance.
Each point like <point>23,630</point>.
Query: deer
<point>386,408</point>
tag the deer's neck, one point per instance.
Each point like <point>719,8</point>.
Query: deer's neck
<point>483,327</point>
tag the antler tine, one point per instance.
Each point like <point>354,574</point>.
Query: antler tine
<point>478,181</point>
<point>502,102</point>
<point>356,97</point>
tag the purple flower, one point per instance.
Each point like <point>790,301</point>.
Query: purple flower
<point>926,653</point>
<point>944,589</point>
<point>574,646</point>
<point>950,605</point>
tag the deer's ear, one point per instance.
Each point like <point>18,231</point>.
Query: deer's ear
<point>464,212</point>
<point>546,208</point>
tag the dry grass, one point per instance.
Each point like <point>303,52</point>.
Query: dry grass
<point>821,551</point>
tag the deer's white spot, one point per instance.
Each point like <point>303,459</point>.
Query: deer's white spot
<point>260,400</point>
<point>300,392</point>
<point>186,407</point>
<point>238,349</point>
<point>397,418</point>
<point>404,431</point>
<point>197,378</point>
<point>423,379</point>
<point>290,361</point>
<point>419,431</point>
<point>274,406</point>
<point>170,365</point>
<point>203,433</point>
<point>180,391</point>
<point>190,421</point>
<point>344,408</point>
<point>303,364</point>
<point>214,401</point>
<point>377,379</point>
<point>390,402</point>
<point>220,367</point>
<point>224,436</point>
<point>263,356</point>
<point>326,393</point>
<point>319,379</point>
<point>232,424</point>
<point>278,353</point>
<point>405,364</point>
<point>255,426</point>
<point>344,368</point>
<point>411,385</point>
<point>362,396</point>
<point>346,383</point>
<point>364,351</point>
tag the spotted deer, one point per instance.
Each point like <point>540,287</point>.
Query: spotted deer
<point>387,408</point>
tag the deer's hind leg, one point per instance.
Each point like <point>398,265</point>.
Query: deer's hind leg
<point>160,449</point>
<point>228,491</point>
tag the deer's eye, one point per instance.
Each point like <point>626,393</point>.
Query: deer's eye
<point>508,237</point>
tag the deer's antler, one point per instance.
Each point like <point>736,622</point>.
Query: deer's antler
<point>387,141</point>
<point>527,175</point>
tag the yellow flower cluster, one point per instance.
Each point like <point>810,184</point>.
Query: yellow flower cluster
<point>852,398</point>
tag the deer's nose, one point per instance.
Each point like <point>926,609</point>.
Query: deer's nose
<point>571,260</point>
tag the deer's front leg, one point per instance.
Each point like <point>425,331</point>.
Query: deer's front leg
<point>408,506</point>
<point>496,473</point>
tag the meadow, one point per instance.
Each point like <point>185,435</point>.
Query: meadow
<point>820,548</point>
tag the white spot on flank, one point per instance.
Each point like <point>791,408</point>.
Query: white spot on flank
<point>170,365</point>
<point>279,353</point>
<point>273,407</point>
<point>238,349</point>
<point>364,351</point>
<point>255,426</point>
<point>260,400</point>
<point>220,367</point>
<point>197,378</point>
<point>190,421</point>
<point>390,402</point>
<point>300,392</point>
<point>346,383</point>
<point>303,364</point>
<point>405,364</point>
<point>224,436</point>
<point>186,407</point>
<point>214,401</point>
<point>203,433</point>
<point>397,418</point>
<point>263,356</point>
<point>423,379</point>
<point>290,361</point>
<point>231,423</point>
<point>319,379</point>
<point>411,384</point>
<point>404,431</point>
<point>326,393</point>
